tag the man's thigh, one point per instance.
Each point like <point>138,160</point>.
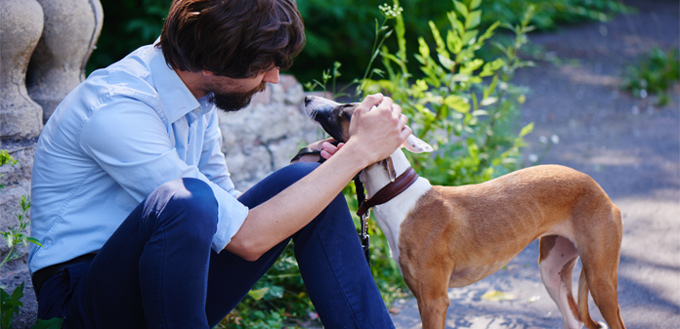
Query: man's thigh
<point>125,284</point>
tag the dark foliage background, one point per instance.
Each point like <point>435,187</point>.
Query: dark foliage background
<point>339,30</point>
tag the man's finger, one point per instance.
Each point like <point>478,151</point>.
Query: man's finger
<point>369,102</point>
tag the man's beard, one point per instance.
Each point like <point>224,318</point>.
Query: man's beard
<point>231,102</point>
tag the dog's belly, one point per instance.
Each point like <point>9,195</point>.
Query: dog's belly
<point>469,273</point>
<point>485,260</point>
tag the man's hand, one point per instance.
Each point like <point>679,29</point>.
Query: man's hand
<point>377,128</point>
<point>326,148</point>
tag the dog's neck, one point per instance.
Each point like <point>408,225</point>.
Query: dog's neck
<point>391,214</point>
<point>378,175</point>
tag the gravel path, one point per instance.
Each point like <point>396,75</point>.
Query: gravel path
<point>629,146</point>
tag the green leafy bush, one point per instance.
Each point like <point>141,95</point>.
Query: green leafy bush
<point>10,305</point>
<point>335,28</point>
<point>464,105</point>
<point>15,235</point>
<point>278,299</point>
<point>653,75</point>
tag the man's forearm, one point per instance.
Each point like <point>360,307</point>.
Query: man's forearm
<point>293,208</point>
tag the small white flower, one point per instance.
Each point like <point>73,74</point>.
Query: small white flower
<point>543,139</point>
<point>643,93</point>
<point>533,158</point>
<point>390,11</point>
<point>555,139</point>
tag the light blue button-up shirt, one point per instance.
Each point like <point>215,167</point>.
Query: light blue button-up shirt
<point>114,139</point>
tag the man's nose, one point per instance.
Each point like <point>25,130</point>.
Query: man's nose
<point>272,76</point>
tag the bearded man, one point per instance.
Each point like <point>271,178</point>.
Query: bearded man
<point>140,224</point>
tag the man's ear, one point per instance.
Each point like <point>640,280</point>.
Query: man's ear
<point>416,145</point>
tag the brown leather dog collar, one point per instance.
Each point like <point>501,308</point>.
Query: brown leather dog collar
<point>391,190</point>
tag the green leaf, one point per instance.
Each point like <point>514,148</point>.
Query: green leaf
<point>526,130</point>
<point>491,67</point>
<point>461,8</point>
<point>53,323</point>
<point>453,42</point>
<point>423,48</point>
<point>18,293</point>
<point>446,62</point>
<point>469,37</point>
<point>460,28</point>
<point>472,65</point>
<point>488,33</point>
<point>438,39</point>
<point>34,241</point>
<point>10,305</point>
<point>276,291</point>
<point>473,19</point>
<point>496,296</point>
<point>258,294</point>
<point>457,103</point>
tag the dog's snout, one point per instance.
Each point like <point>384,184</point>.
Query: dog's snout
<point>307,100</point>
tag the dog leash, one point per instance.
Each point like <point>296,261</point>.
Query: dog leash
<point>363,218</point>
<point>387,193</point>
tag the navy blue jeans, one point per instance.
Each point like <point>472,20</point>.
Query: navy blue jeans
<point>158,270</point>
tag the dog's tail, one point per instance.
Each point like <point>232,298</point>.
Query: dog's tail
<point>583,302</point>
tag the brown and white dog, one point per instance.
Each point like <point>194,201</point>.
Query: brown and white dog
<point>445,237</point>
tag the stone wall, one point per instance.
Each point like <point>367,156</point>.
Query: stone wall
<point>43,50</point>
<point>44,46</point>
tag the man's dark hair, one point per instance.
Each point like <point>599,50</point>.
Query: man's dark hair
<point>233,38</point>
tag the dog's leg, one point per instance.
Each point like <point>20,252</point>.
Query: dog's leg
<point>602,284</point>
<point>429,283</point>
<point>433,301</point>
<point>599,247</point>
<point>556,262</point>
<point>583,303</point>
<point>600,263</point>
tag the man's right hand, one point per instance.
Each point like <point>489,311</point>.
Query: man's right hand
<point>377,128</point>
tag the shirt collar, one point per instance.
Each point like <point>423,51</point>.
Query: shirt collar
<point>175,95</point>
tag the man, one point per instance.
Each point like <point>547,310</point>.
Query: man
<point>140,223</point>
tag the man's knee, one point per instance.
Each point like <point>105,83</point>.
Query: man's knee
<point>190,200</point>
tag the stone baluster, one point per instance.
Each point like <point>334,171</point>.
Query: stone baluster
<point>21,23</point>
<point>71,30</point>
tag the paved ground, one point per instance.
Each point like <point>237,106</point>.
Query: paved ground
<point>629,146</point>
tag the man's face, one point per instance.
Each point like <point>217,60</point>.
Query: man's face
<point>231,94</point>
<point>234,101</point>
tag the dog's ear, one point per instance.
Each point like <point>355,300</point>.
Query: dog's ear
<point>416,145</point>
<point>389,168</point>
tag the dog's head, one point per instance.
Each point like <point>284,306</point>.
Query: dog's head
<point>335,117</point>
